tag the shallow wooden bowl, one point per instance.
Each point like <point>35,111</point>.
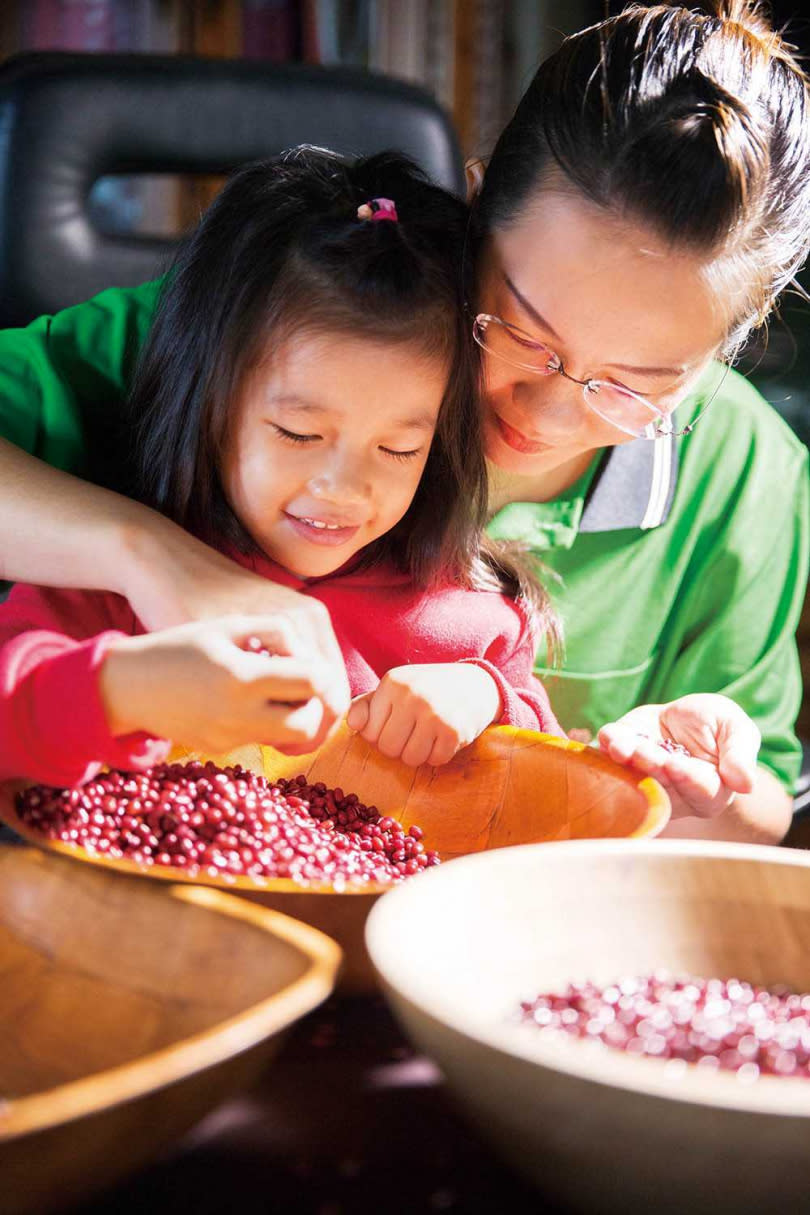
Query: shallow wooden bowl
<point>510,787</point>
<point>601,1130</point>
<point>127,1011</point>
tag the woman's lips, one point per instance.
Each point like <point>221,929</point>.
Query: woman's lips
<point>329,536</point>
<point>514,439</point>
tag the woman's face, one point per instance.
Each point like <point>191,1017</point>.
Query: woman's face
<point>613,301</point>
<point>329,441</point>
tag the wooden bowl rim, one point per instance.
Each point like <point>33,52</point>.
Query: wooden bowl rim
<point>612,1069</point>
<point>158,1069</point>
<point>655,818</point>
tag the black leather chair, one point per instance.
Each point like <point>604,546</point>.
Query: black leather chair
<point>68,119</point>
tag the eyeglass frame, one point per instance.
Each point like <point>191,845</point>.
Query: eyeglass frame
<point>663,428</point>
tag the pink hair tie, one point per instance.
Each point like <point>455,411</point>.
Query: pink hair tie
<point>378,208</point>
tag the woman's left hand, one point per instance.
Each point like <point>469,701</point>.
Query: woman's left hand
<point>721,739</point>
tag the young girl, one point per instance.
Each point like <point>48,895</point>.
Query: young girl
<point>307,403</point>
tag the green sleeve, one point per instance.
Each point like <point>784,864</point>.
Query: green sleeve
<point>62,376</point>
<point>737,618</point>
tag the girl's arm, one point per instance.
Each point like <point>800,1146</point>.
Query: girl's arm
<point>60,531</point>
<point>426,712</point>
<point>53,726</point>
<point>79,690</point>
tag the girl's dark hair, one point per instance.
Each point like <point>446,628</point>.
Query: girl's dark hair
<point>696,124</point>
<point>281,250</point>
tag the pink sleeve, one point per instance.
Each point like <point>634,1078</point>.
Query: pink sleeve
<point>53,727</point>
<point>510,661</point>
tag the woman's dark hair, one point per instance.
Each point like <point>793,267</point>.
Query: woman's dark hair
<point>282,250</point>
<point>695,124</point>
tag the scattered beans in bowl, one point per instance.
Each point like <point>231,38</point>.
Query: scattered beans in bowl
<point>713,1023</point>
<point>229,821</point>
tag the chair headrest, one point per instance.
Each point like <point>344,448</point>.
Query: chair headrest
<point>68,119</point>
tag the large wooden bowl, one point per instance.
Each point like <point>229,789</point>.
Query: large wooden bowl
<point>599,1129</point>
<point>127,1011</point>
<point>510,787</point>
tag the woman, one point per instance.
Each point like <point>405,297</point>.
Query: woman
<point>622,242</point>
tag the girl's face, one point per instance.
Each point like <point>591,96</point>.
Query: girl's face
<point>330,437</point>
<point>613,302</point>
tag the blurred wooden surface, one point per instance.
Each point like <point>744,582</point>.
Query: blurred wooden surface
<point>128,1010</point>
<point>348,1121</point>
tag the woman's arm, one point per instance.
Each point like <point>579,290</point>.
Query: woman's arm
<point>60,531</point>
<point>762,816</point>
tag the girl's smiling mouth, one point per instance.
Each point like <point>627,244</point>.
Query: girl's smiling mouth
<point>321,531</point>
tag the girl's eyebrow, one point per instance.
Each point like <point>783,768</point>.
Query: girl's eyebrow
<point>672,372</point>
<point>297,404</point>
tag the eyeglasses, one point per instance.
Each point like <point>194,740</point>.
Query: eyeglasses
<point>615,404</point>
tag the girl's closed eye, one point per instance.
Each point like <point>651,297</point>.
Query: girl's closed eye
<point>292,436</point>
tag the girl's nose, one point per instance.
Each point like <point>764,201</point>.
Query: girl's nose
<point>342,480</point>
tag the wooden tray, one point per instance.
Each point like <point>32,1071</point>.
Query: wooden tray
<point>510,787</point>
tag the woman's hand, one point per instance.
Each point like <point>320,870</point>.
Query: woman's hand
<point>721,739</point>
<point>425,713</point>
<point>197,685</point>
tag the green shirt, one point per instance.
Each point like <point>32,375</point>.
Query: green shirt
<point>682,564</point>
<point>682,567</point>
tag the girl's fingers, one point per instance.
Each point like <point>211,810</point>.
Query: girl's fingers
<point>420,745</point>
<point>357,717</point>
<point>286,680</point>
<point>443,751</point>
<point>395,734</point>
<point>379,710</point>
<point>285,727</point>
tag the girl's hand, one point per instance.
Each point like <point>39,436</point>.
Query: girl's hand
<point>423,714</point>
<point>721,739</point>
<point>197,685</point>
<point>172,578</point>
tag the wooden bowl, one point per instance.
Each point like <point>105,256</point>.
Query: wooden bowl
<point>510,787</point>
<point>594,1127</point>
<point>127,1011</point>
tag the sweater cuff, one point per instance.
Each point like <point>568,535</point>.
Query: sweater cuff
<point>509,701</point>
<point>68,730</point>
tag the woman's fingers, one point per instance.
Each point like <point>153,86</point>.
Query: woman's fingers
<point>738,747</point>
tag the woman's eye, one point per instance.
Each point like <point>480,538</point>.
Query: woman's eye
<point>401,455</point>
<point>526,342</point>
<point>291,437</point>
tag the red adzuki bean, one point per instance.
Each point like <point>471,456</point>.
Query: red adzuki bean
<point>725,1024</point>
<point>229,821</point>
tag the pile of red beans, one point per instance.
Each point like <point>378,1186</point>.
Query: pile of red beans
<point>228,821</point>
<point>713,1023</point>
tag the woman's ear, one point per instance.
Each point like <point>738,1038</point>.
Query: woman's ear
<point>474,172</point>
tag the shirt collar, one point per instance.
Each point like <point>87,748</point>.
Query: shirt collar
<point>631,485</point>
<point>634,487</point>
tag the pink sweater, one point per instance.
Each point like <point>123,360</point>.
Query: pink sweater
<point>52,644</point>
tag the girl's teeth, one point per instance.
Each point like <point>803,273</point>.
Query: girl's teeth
<point>332,527</point>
